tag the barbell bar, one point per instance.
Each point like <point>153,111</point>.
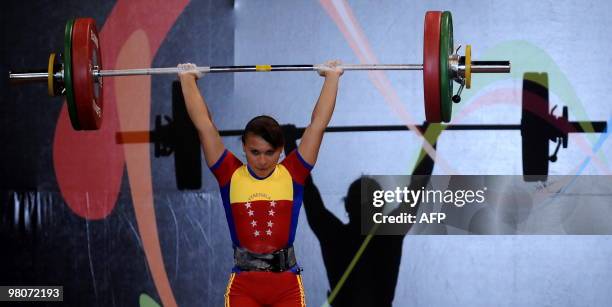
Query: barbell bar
<point>477,67</point>
<point>80,75</point>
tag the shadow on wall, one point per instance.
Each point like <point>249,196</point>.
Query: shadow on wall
<point>539,126</point>
<point>363,270</point>
<point>176,134</point>
<point>372,280</point>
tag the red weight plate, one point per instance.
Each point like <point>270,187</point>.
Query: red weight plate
<point>431,66</point>
<point>85,56</point>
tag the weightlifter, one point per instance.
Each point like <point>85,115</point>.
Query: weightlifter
<point>262,198</point>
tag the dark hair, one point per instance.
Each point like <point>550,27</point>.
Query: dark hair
<point>267,128</point>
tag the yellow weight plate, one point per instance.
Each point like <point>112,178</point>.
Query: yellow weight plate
<point>468,66</point>
<point>50,79</point>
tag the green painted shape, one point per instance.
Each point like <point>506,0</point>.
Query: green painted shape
<point>146,301</point>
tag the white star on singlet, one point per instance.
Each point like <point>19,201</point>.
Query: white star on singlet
<point>269,232</point>
<point>272,204</point>
<point>256,233</point>
<point>251,212</point>
<point>254,223</point>
<point>247,205</point>
<point>270,224</point>
<point>271,212</point>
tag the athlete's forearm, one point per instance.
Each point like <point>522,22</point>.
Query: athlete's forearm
<point>324,108</point>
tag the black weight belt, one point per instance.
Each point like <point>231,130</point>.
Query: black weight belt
<point>278,261</point>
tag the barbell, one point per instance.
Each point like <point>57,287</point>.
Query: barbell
<point>78,73</point>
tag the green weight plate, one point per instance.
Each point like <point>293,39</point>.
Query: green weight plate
<point>68,86</point>
<point>446,80</point>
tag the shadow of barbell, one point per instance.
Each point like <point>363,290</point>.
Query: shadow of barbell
<point>176,134</point>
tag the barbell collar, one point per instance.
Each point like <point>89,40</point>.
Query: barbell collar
<point>18,77</point>
<point>490,67</point>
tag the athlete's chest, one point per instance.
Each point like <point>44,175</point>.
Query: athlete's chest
<point>245,188</point>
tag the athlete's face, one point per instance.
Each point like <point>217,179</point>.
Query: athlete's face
<point>260,155</point>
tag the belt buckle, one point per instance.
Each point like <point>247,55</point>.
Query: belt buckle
<point>282,264</point>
